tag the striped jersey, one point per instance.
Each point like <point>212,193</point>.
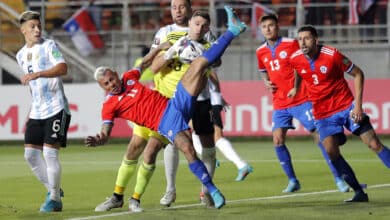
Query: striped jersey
<point>48,97</point>
<point>324,79</point>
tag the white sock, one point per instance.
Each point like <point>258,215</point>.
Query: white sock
<point>197,144</point>
<point>37,164</point>
<point>228,151</point>
<point>208,158</point>
<point>53,172</point>
<point>171,162</point>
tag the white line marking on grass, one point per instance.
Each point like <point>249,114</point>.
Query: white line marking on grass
<point>230,201</point>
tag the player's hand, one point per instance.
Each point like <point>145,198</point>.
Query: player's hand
<point>270,86</point>
<point>225,104</point>
<point>173,51</point>
<point>357,114</point>
<point>28,77</point>
<point>292,93</point>
<point>93,141</point>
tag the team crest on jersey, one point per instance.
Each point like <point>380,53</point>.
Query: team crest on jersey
<point>323,69</point>
<point>29,56</point>
<point>130,82</point>
<point>283,54</point>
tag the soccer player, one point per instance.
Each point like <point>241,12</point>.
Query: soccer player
<point>278,75</point>
<point>130,100</point>
<point>171,68</point>
<point>322,69</point>
<point>216,105</point>
<point>49,117</point>
<point>181,12</point>
<point>143,139</point>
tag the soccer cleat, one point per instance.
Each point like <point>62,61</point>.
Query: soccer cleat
<point>135,205</point>
<point>293,185</point>
<point>342,186</point>
<point>359,196</point>
<point>47,199</point>
<point>51,206</point>
<point>234,23</point>
<point>243,172</point>
<point>168,198</point>
<point>217,163</point>
<point>109,204</point>
<point>218,199</point>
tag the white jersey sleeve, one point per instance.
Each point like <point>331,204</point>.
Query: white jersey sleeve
<point>162,33</point>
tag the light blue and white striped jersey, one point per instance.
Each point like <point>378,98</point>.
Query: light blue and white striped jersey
<point>48,97</point>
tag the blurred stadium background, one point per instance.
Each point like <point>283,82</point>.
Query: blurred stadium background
<point>126,27</point>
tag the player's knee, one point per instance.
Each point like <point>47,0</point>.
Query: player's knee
<point>278,140</point>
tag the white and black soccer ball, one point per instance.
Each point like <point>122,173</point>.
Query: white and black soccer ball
<point>189,50</point>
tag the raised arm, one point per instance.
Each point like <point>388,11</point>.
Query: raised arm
<point>58,70</point>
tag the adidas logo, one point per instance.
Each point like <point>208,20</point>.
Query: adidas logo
<point>54,135</point>
<point>303,71</point>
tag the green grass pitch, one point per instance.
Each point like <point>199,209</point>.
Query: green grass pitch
<point>89,175</point>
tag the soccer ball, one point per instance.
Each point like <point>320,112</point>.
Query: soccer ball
<point>189,50</point>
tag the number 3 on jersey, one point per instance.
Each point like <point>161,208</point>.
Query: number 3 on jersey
<point>315,79</point>
<point>274,65</point>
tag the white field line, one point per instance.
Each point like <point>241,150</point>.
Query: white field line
<point>107,162</point>
<point>230,201</point>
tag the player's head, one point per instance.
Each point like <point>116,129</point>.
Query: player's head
<point>199,25</point>
<point>269,27</point>
<point>30,26</point>
<point>308,40</point>
<point>108,79</point>
<point>181,11</point>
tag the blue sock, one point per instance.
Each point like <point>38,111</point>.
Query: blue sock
<point>285,161</point>
<point>199,170</point>
<point>347,173</point>
<point>384,155</point>
<point>327,159</point>
<point>218,47</point>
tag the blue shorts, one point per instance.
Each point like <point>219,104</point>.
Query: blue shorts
<point>177,113</point>
<point>303,113</point>
<point>336,123</point>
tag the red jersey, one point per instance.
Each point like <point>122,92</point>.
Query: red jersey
<point>136,103</point>
<point>275,60</point>
<point>324,79</point>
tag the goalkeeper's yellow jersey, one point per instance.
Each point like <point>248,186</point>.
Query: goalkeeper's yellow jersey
<point>166,80</point>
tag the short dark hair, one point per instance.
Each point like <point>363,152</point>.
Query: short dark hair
<point>310,28</point>
<point>29,15</point>
<point>201,13</point>
<point>187,1</point>
<point>269,17</point>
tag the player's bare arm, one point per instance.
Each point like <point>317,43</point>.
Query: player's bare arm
<point>58,70</point>
<point>268,84</point>
<point>101,138</point>
<point>148,59</point>
<point>159,63</point>
<point>297,84</point>
<point>357,112</point>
